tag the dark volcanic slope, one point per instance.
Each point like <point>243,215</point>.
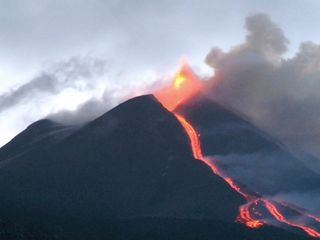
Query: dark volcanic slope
<point>246,153</point>
<point>129,174</point>
<point>42,133</point>
<point>133,161</point>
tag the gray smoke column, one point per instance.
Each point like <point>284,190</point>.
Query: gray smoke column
<point>281,95</point>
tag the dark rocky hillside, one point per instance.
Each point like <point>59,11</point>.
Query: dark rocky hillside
<point>128,174</point>
<point>245,152</point>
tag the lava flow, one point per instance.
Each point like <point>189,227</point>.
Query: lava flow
<point>185,85</point>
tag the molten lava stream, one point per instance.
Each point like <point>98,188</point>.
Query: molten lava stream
<point>281,218</point>
<point>245,215</point>
<point>184,86</point>
<point>301,212</point>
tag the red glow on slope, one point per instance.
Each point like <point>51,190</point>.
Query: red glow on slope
<point>245,215</point>
<point>302,212</point>
<point>317,219</point>
<point>194,139</point>
<point>185,85</point>
<point>277,215</point>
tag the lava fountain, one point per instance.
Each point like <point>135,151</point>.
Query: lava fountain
<point>185,85</point>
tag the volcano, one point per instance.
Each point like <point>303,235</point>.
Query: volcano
<point>253,214</point>
<point>130,174</point>
<point>245,152</point>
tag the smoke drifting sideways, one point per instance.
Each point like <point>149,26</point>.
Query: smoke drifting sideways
<point>59,85</point>
<point>279,94</point>
<point>97,106</point>
<point>70,91</point>
<point>59,76</point>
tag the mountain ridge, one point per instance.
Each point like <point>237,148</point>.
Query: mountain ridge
<point>133,161</point>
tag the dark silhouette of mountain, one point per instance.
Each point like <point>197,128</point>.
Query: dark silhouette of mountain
<point>142,228</point>
<point>128,174</point>
<point>41,133</point>
<point>244,152</point>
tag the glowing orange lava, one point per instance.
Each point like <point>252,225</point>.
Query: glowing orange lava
<point>194,139</point>
<point>302,212</point>
<point>281,218</point>
<point>245,215</point>
<point>185,85</point>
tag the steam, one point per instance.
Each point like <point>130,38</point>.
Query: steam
<point>74,73</point>
<point>281,95</point>
<point>95,107</point>
<point>275,174</point>
<point>61,85</point>
<point>306,199</point>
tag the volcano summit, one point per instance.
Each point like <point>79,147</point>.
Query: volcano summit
<point>134,173</point>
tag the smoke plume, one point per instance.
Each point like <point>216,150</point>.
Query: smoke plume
<point>76,73</point>
<point>281,95</point>
<point>95,107</point>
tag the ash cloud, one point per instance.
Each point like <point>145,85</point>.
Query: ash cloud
<point>73,91</point>
<point>89,110</point>
<point>76,72</point>
<point>84,113</point>
<point>281,95</point>
<point>60,85</point>
<point>113,94</point>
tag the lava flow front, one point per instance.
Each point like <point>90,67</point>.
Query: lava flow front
<point>184,86</point>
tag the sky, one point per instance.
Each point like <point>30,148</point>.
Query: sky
<point>57,55</point>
